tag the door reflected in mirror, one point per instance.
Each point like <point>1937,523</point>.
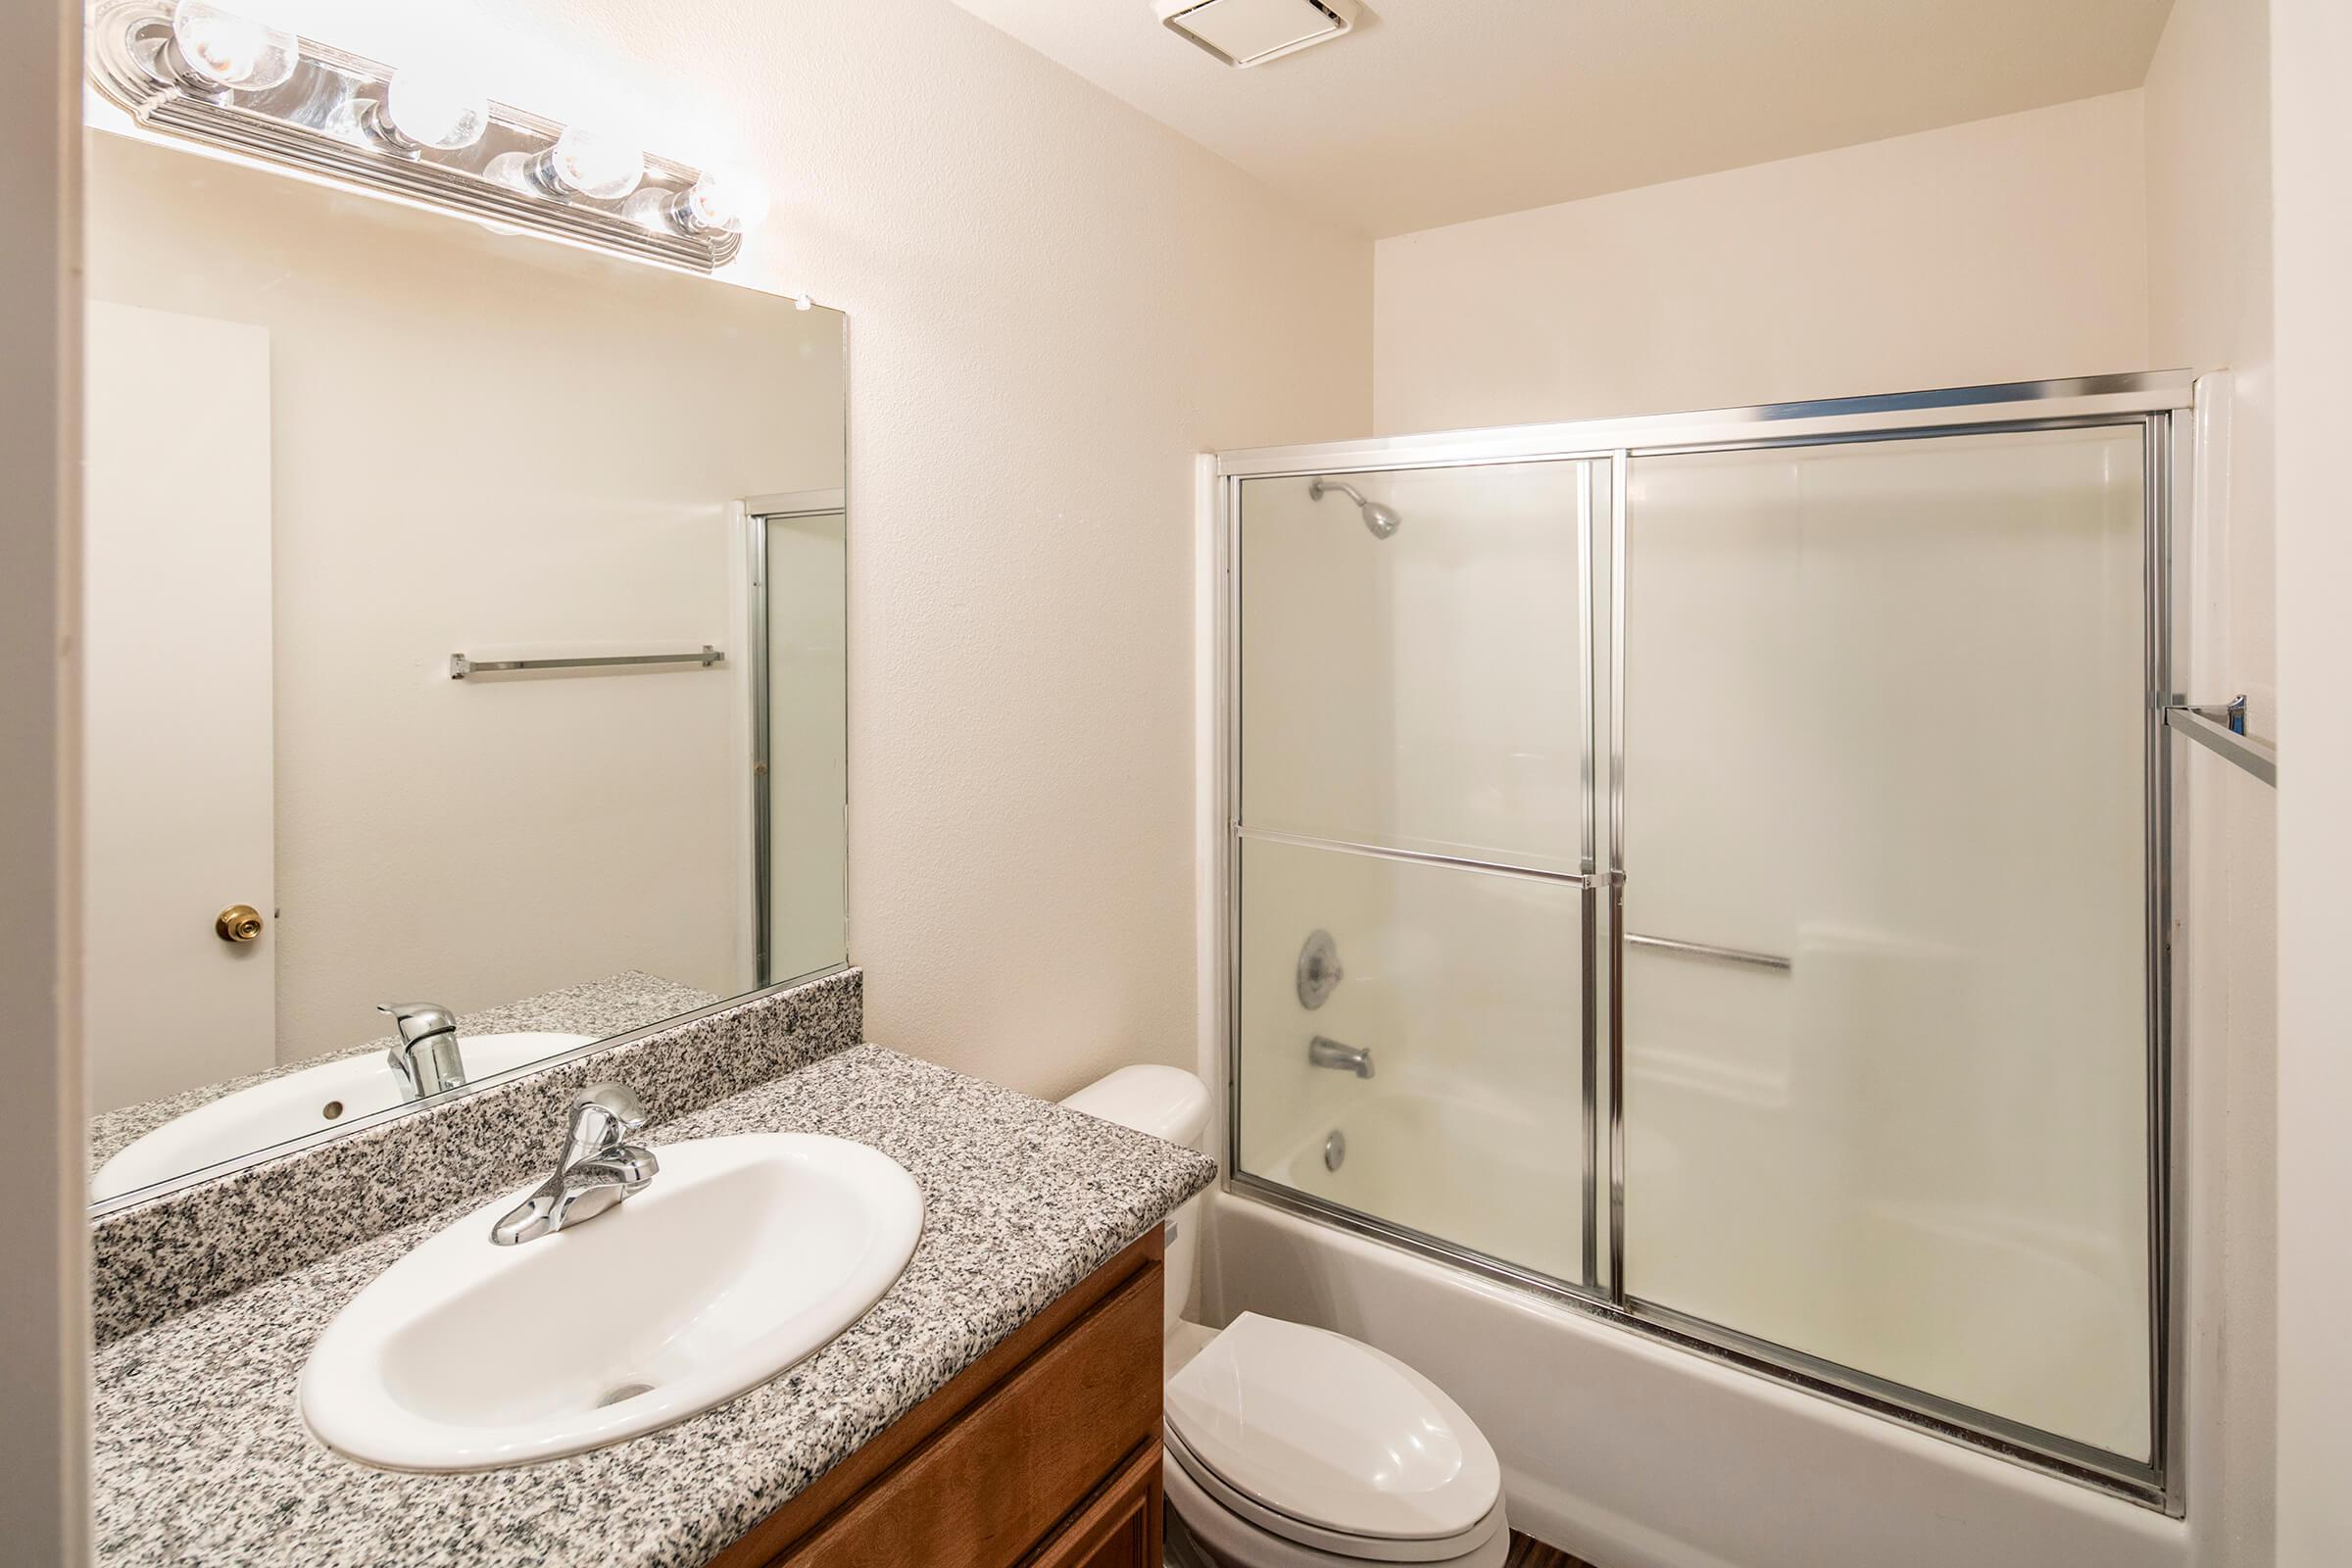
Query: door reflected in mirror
<point>465,634</point>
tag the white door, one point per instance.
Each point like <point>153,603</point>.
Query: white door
<point>178,792</point>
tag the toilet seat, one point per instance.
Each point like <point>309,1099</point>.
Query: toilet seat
<point>1321,1440</point>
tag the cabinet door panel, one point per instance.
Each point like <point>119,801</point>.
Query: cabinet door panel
<point>1121,1527</point>
<point>987,1489</point>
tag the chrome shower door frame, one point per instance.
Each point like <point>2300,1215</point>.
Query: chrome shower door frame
<point>2157,404</point>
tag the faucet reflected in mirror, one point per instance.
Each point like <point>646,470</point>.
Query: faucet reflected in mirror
<point>427,1057</point>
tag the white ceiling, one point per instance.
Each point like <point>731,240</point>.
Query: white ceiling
<point>1438,111</point>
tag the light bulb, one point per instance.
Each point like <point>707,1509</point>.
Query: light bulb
<point>600,167</point>
<point>224,50</point>
<point>730,200</point>
<point>726,203</point>
<point>430,107</point>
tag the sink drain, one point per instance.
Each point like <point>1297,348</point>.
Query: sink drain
<point>627,1390</point>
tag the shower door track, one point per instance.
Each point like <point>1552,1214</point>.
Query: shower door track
<point>2149,401</point>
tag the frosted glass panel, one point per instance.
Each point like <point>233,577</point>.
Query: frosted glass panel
<point>1884,720</point>
<point>1420,690</point>
<point>1467,990</point>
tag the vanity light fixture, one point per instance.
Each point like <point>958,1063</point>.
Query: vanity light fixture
<point>203,72</point>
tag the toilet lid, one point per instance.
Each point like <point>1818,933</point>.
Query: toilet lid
<point>1332,1433</point>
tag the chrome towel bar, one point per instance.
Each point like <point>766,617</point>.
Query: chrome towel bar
<point>460,667</point>
<point>2220,728</point>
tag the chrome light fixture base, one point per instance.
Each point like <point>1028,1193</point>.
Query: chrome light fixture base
<point>289,125</point>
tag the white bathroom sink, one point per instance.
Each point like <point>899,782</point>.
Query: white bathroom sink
<point>744,1257</point>
<point>326,1096</point>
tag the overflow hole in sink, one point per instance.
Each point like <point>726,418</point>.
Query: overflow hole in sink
<point>627,1390</point>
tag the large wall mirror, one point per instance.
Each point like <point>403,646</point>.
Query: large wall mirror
<point>346,459</point>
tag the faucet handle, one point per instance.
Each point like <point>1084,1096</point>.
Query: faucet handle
<point>602,1116</point>
<point>419,1021</point>
<point>616,1101</point>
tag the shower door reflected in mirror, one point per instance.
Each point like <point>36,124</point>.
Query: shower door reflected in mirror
<point>1414,827</point>
<point>1885,972</point>
<point>800,761</point>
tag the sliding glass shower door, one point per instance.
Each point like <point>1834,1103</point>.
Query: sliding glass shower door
<point>1712,871</point>
<point>1886,1015</point>
<point>1413,838</point>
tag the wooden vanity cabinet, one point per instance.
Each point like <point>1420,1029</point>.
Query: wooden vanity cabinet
<point>1044,1453</point>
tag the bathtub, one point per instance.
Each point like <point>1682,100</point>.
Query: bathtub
<point>1434,1157</point>
<point>1628,1450</point>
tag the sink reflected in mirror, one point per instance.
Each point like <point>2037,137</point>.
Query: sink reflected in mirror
<point>297,1103</point>
<point>743,1257</point>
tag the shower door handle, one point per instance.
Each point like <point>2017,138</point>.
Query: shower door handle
<point>1709,952</point>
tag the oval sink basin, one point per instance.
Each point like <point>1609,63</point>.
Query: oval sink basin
<point>299,1103</point>
<point>746,1255</point>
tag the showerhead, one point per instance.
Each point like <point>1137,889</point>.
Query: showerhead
<point>1382,520</point>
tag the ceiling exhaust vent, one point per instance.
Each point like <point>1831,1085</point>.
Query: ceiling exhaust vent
<point>1250,33</point>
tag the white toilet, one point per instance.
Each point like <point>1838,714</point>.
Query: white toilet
<point>1290,1447</point>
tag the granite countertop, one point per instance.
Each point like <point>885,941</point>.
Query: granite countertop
<point>200,1456</point>
<point>600,1008</point>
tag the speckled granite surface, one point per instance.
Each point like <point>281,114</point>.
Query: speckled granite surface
<point>202,1458</point>
<point>214,1237</point>
<point>601,1009</point>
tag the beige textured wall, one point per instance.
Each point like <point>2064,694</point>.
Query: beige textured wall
<point>2007,249</point>
<point>1054,302</point>
<point>2207,103</point>
<point>44,1326</point>
<point>2312,141</point>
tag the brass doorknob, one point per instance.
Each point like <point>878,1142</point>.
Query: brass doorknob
<point>239,922</point>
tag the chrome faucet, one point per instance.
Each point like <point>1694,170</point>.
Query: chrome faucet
<point>599,1168</point>
<point>426,1057</point>
<point>1324,1052</point>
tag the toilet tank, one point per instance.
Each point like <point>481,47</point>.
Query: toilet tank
<point>1171,1103</point>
